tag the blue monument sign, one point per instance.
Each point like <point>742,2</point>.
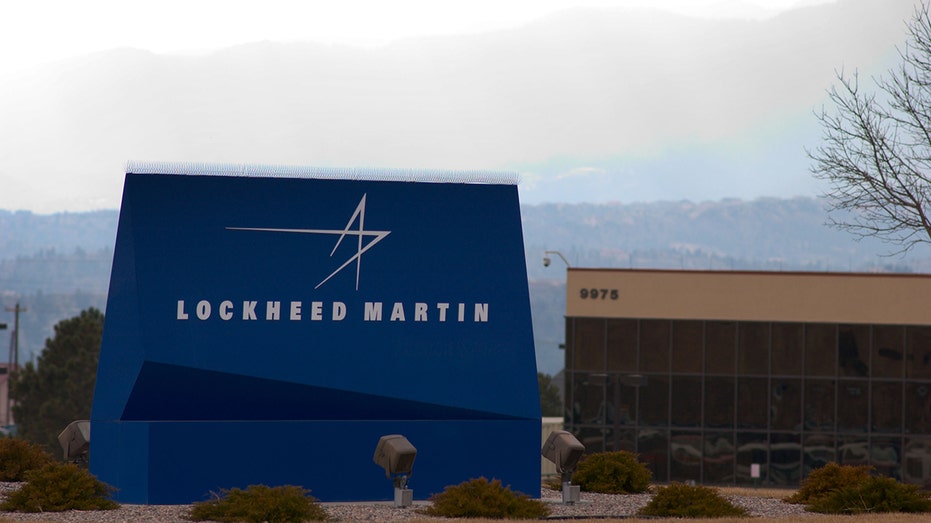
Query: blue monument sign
<point>269,326</point>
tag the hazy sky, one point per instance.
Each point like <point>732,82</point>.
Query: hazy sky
<point>34,32</point>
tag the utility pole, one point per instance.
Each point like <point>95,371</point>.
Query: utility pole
<point>14,358</point>
<point>15,349</point>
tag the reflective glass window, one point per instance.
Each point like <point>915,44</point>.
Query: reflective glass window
<point>752,403</point>
<point>785,403</point>
<point>589,344</point>
<point>686,401</point>
<point>785,459</point>
<point>788,340</point>
<point>653,446</point>
<point>853,350</point>
<point>686,456</point>
<point>589,398</point>
<point>719,458</point>
<point>917,408</point>
<point>752,448</point>
<point>916,456</point>
<point>853,450</point>
<point>622,345</point>
<point>654,401</point>
<point>885,454</point>
<point>887,407</point>
<point>625,439</point>
<point>753,348</point>
<point>623,400</point>
<point>820,349</point>
<point>654,345</point>
<point>570,344</point>
<point>687,346</point>
<point>720,347</point>
<point>719,402</point>
<point>888,354</point>
<point>817,451</point>
<point>853,405</point>
<point>819,405</point>
<point>918,345</point>
<point>592,437</point>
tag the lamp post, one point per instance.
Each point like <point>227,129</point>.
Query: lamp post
<point>547,259</point>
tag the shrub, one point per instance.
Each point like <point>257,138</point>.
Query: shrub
<point>874,494</point>
<point>678,500</point>
<point>825,480</point>
<point>258,503</point>
<point>57,487</point>
<point>18,456</point>
<point>479,498</point>
<point>612,473</point>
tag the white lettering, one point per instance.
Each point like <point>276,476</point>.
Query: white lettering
<point>295,311</point>
<point>420,312</point>
<point>339,311</point>
<point>226,312</point>
<point>316,310</point>
<point>442,307</point>
<point>203,309</point>
<point>181,314</point>
<point>397,312</point>
<point>248,310</point>
<point>461,312</point>
<point>272,310</point>
<point>372,311</point>
<point>481,313</point>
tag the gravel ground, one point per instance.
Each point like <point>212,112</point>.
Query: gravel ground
<point>591,505</point>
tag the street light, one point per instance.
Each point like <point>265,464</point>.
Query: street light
<point>565,451</point>
<point>547,260</point>
<point>395,454</point>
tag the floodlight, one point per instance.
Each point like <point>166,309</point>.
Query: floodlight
<point>75,440</point>
<point>563,449</point>
<point>395,454</point>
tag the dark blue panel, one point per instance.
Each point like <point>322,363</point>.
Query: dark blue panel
<point>333,459</point>
<point>271,302</point>
<point>168,392</point>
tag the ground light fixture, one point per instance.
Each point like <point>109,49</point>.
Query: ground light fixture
<point>395,454</point>
<point>75,440</point>
<point>563,449</point>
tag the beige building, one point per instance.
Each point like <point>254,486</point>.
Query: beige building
<point>717,376</point>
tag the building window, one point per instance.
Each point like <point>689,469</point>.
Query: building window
<point>788,340</point>
<point>888,353</point>
<point>720,347</point>
<point>622,345</point>
<point>654,346</point>
<point>687,346</point>
<point>820,349</point>
<point>753,348</point>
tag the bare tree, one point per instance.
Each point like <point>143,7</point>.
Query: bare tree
<point>876,150</point>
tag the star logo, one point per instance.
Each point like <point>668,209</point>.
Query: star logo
<point>365,239</point>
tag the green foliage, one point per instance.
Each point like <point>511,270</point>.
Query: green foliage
<point>827,479</point>
<point>550,400</point>
<point>612,473</point>
<point>678,500</point>
<point>874,494</point>
<point>60,387</point>
<point>479,498</point>
<point>260,503</point>
<point>57,487</point>
<point>18,456</point>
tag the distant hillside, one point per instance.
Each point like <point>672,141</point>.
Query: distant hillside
<point>589,104</point>
<point>57,264</point>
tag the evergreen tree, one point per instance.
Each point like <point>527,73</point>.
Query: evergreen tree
<point>59,388</point>
<point>550,400</point>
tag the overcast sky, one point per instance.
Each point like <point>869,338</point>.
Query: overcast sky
<point>39,31</point>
